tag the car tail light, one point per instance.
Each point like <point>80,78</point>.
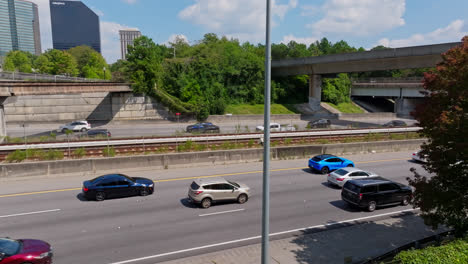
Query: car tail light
<point>360,196</point>
<point>328,174</point>
<point>414,154</point>
<point>197,192</point>
<point>85,189</point>
<point>340,179</point>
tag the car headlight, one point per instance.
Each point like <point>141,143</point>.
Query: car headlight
<point>151,185</point>
<point>44,255</point>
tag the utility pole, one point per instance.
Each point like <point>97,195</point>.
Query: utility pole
<point>266,143</point>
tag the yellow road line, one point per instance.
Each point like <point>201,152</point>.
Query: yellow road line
<point>190,178</point>
<point>32,193</point>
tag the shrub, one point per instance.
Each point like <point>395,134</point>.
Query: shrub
<point>397,136</point>
<point>79,152</point>
<point>44,138</point>
<point>251,143</point>
<point>287,141</point>
<point>200,147</point>
<point>53,135</point>
<point>54,155</point>
<point>108,152</point>
<point>188,145</point>
<point>453,252</point>
<point>323,141</point>
<point>16,156</point>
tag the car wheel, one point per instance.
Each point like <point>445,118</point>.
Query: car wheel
<point>405,201</point>
<point>242,198</point>
<point>100,196</point>
<point>350,165</point>
<point>144,192</point>
<point>371,206</point>
<point>325,170</point>
<point>206,203</point>
<point>83,129</point>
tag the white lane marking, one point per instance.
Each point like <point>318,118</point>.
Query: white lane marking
<point>257,237</point>
<point>30,213</point>
<point>223,212</point>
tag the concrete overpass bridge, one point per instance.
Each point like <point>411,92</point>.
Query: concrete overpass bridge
<point>10,91</point>
<point>377,60</point>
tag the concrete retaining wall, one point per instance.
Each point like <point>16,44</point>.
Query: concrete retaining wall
<point>366,116</point>
<point>192,159</point>
<point>86,106</point>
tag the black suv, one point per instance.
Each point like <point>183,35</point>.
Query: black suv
<point>373,192</point>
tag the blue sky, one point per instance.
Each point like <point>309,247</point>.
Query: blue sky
<point>362,23</point>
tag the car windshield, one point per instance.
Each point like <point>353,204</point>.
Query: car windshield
<point>9,247</point>
<point>96,179</point>
<point>127,177</point>
<point>341,172</point>
<point>235,184</point>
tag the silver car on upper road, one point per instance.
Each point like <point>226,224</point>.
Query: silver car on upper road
<point>207,191</point>
<point>341,176</point>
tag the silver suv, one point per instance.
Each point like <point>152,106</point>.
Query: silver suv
<point>206,191</point>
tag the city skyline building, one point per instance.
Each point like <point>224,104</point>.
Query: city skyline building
<point>127,36</point>
<point>19,27</point>
<point>74,24</point>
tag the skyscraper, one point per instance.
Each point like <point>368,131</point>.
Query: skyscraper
<point>19,27</point>
<point>127,36</point>
<point>74,24</point>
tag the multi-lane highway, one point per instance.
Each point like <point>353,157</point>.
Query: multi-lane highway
<point>153,228</point>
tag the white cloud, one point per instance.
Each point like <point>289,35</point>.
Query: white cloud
<point>307,41</point>
<point>131,2</point>
<point>242,19</point>
<point>451,33</point>
<point>359,17</point>
<point>174,37</point>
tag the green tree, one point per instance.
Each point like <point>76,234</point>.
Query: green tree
<point>444,121</point>
<point>17,60</point>
<point>144,61</point>
<point>57,62</point>
<point>90,63</point>
<point>336,90</point>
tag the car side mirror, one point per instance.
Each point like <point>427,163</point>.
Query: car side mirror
<point>2,256</point>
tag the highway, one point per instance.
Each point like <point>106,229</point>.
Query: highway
<point>165,128</point>
<point>128,230</point>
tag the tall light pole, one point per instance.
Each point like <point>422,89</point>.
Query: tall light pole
<point>266,143</point>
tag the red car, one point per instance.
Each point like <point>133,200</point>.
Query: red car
<point>24,251</point>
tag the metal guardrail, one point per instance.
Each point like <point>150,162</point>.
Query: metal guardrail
<point>44,77</point>
<point>387,80</point>
<point>103,143</point>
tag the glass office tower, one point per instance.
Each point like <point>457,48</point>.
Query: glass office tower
<point>19,27</point>
<point>74,24</point>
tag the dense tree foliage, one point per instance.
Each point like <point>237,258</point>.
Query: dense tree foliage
<point>19,61</point>
<point>207,76</point>
<point>57,62</point>
<point>443,198</point>
<point>90,63</point>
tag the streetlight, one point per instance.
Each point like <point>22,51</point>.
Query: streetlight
<point>266,143</point>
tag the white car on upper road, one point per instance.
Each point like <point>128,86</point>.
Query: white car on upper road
<point>75,126</point>
<point>276,127</point>
<point>341,176</point>
<point>417,156</point>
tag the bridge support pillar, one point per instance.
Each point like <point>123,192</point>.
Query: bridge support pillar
<point>2,123</point>
<point>404,106</point>
<point>315,91</point>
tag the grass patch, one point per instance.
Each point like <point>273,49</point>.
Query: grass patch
<point>257,109</point>
<point>349,108</point>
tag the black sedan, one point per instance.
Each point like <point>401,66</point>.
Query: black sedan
<point>395,123</point>
<point>116,185</point>
<point>203,128</point>
<point>320,123</point>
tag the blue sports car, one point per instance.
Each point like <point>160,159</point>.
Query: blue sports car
<point>326,163</point>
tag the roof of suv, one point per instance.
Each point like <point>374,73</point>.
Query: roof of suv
<point>207,181</point>
<point>324,156</point>
<point>370,181</point>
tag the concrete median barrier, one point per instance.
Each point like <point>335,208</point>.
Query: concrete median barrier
<point>192,159</point>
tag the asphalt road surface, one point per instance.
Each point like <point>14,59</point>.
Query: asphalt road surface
<point>165,128</point>
<point>127,230</point>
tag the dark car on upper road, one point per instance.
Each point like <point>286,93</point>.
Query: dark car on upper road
<point>203,128</point>
<point>93,133</point>
<point>25,251</point>
<point>395,123</point>
<point>374,192</point>
<point>326,163</point>
<point>320,123</point>
<point>116,185</point>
